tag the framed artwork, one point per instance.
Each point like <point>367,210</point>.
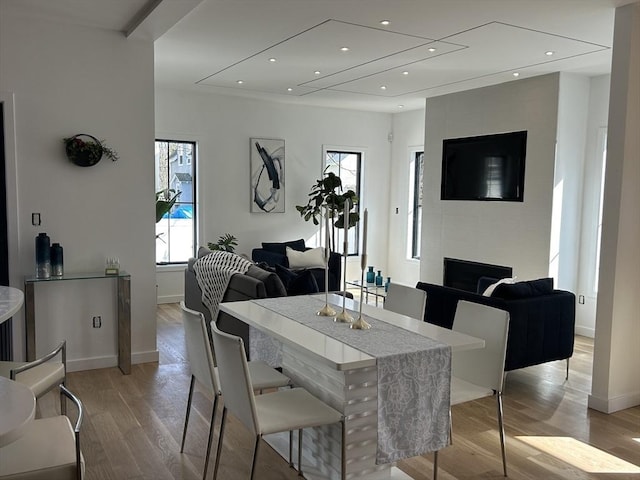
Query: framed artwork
<point>267,175</point>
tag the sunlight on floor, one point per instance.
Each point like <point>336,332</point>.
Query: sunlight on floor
<point>581,455</point>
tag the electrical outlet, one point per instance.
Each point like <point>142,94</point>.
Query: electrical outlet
<point>581,299</point>
<point>97,321</point>
<point>35,219</point>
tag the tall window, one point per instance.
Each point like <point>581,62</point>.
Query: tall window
<point>602,148</point>
<point>414,220</point>
<point>347,165</point>
<point>175,173</point>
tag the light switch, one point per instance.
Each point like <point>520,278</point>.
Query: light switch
<point>35,219</point>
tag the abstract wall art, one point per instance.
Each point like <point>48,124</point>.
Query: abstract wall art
<point>267,175</point>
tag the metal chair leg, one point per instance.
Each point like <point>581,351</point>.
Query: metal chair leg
<point>300,474</point>
<point>255,456</point>
<point>435,465</point>
<point>219,450</point>
<point>291,448</point>
<point>343,461</point>
<point>186,416</point>
<point>501,427</point>
<point>567,376</point>
<point>211,425</point>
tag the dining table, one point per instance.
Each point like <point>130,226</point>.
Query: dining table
<point>391,382</point>
<point>17,401</point>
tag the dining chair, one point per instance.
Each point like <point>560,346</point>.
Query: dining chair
<point>479,373</point>
<point>48,449</point>
<point>203,370</point>
<point>405,300</point>
<point>41,375</point>
<point>281,411</point>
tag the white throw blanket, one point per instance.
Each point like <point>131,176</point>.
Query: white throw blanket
<point>213,272</point>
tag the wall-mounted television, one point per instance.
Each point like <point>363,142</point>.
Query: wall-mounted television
<point>488,167</point>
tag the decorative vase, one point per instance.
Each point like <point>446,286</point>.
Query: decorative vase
<point>371,276</point>
<point>43,256</point>
<point>379,279</point>
<point>57,268</point>
<point>386,285</point>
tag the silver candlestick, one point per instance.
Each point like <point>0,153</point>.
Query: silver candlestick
<point>326,311</point>
<point>344,316</point>
<point>361,323</point>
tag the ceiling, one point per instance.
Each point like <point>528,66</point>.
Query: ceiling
<point>290,50</point>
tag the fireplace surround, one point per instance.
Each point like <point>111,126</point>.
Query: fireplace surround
<point>464,274</point>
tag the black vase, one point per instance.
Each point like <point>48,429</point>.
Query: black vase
<point>57,264</point>
<point>43,256</point>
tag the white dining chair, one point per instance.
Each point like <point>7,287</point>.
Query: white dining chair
<point>203,370</point>
<point>405,300</point>
<point>479,373</point>
<point>281,411</point>
<point>48,449</point>
<point>41,375</point>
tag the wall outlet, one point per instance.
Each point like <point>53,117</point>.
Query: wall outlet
<point>581,299</point>
<point>97,321</point>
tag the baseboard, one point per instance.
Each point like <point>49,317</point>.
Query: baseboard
<point>585,331</point>
<point>169,299</point>
<point>611,405</point>
<point>110,361</point>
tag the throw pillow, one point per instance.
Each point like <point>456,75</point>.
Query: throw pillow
<point>297,283</point>
<point>312,258</point>
<point>280,247</point>
<point>491,288</point>
<point>531,288</point>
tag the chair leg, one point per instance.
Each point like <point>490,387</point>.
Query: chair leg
<point>186,416</point>
<point>567,376</point>
<point>255,456</point>
<point>291,448</point>
<point>220,438</point>
<point>343,473</point>
<point>213,418</point>
<point>501,427</point>
<point>435,465</point>
<point>300,474</point>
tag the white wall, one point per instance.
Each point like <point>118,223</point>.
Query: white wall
<point>222,127</point>
<point>597,120</point>
<point>515,234</point>
<point>616,360</point>
<point>408,134</point>
<point>65,79</point>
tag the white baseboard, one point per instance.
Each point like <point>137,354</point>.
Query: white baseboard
<point>611,405</point>
<point>110,361</point>
<point>170,299</point>
<point>585,331</point>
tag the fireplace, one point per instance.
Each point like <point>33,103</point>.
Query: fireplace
<point>464,274</point>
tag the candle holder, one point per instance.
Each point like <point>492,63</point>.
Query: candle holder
<point>326,311</point>
<point>344,316</point>
<point>361,323</point>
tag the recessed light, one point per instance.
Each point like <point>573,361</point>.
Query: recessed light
<point>272,59</point>
<point>345,49</point>
<point>289,89</point>
<point>405,73</point>
<point>400,106</point>
<point>385,22</point>
<point>383,87</point>
<point>317,72</point>
<point>548,53</point>
<point>431,49</point>
<point>516,74</point>
<point>239,82</point>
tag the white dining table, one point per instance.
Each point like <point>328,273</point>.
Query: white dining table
<point>11,300</point>
<point>342,376</point>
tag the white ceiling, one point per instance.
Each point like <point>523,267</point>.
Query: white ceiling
<point>442,45</point>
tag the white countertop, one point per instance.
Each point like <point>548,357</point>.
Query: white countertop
<point>11,299</point>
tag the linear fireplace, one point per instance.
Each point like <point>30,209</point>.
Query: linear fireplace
<point>464,274</point>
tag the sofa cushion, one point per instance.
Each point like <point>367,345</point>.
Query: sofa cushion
<point>488,292</point>
<point>272,283</point>
<point>312,258</point>
<point>531,288</point>
<point>280,247</point>
<point>301,282</point>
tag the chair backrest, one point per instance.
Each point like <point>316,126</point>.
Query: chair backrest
<point>235,380</point>
<point>405,300</point>
<point>198,348</point>
<point>484,366</point>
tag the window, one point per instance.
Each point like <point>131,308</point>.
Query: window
<point>602,150</point>
<point>347,165</point>
<point>176,231</point>
<point>414,216</point>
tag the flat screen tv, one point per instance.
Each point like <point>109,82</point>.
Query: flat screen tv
<point>488,167</point>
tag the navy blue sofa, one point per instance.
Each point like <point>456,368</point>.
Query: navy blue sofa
<point>542,320</point>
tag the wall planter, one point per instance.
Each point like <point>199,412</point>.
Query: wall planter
<point>86,150</point>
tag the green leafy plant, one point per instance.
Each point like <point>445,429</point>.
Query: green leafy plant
<point>326,197</point>
<point>165,199</point>
<point>89,147</point>
<point>226,243</point>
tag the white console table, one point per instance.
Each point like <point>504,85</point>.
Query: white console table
<point>124,312</point>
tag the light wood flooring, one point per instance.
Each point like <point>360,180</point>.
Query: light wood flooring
<point>133,425</point>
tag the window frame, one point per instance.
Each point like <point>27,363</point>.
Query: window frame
<point>414,223</point>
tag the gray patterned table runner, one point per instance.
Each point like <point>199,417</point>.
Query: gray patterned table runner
<point>414,375</point>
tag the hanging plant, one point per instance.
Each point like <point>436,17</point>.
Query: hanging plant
<point>86,150</point>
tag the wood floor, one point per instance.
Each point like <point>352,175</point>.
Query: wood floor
<point>133,425</point>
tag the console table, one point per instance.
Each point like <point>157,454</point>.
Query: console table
<point>124,312</point>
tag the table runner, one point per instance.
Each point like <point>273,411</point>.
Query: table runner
<point>414,375</point>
